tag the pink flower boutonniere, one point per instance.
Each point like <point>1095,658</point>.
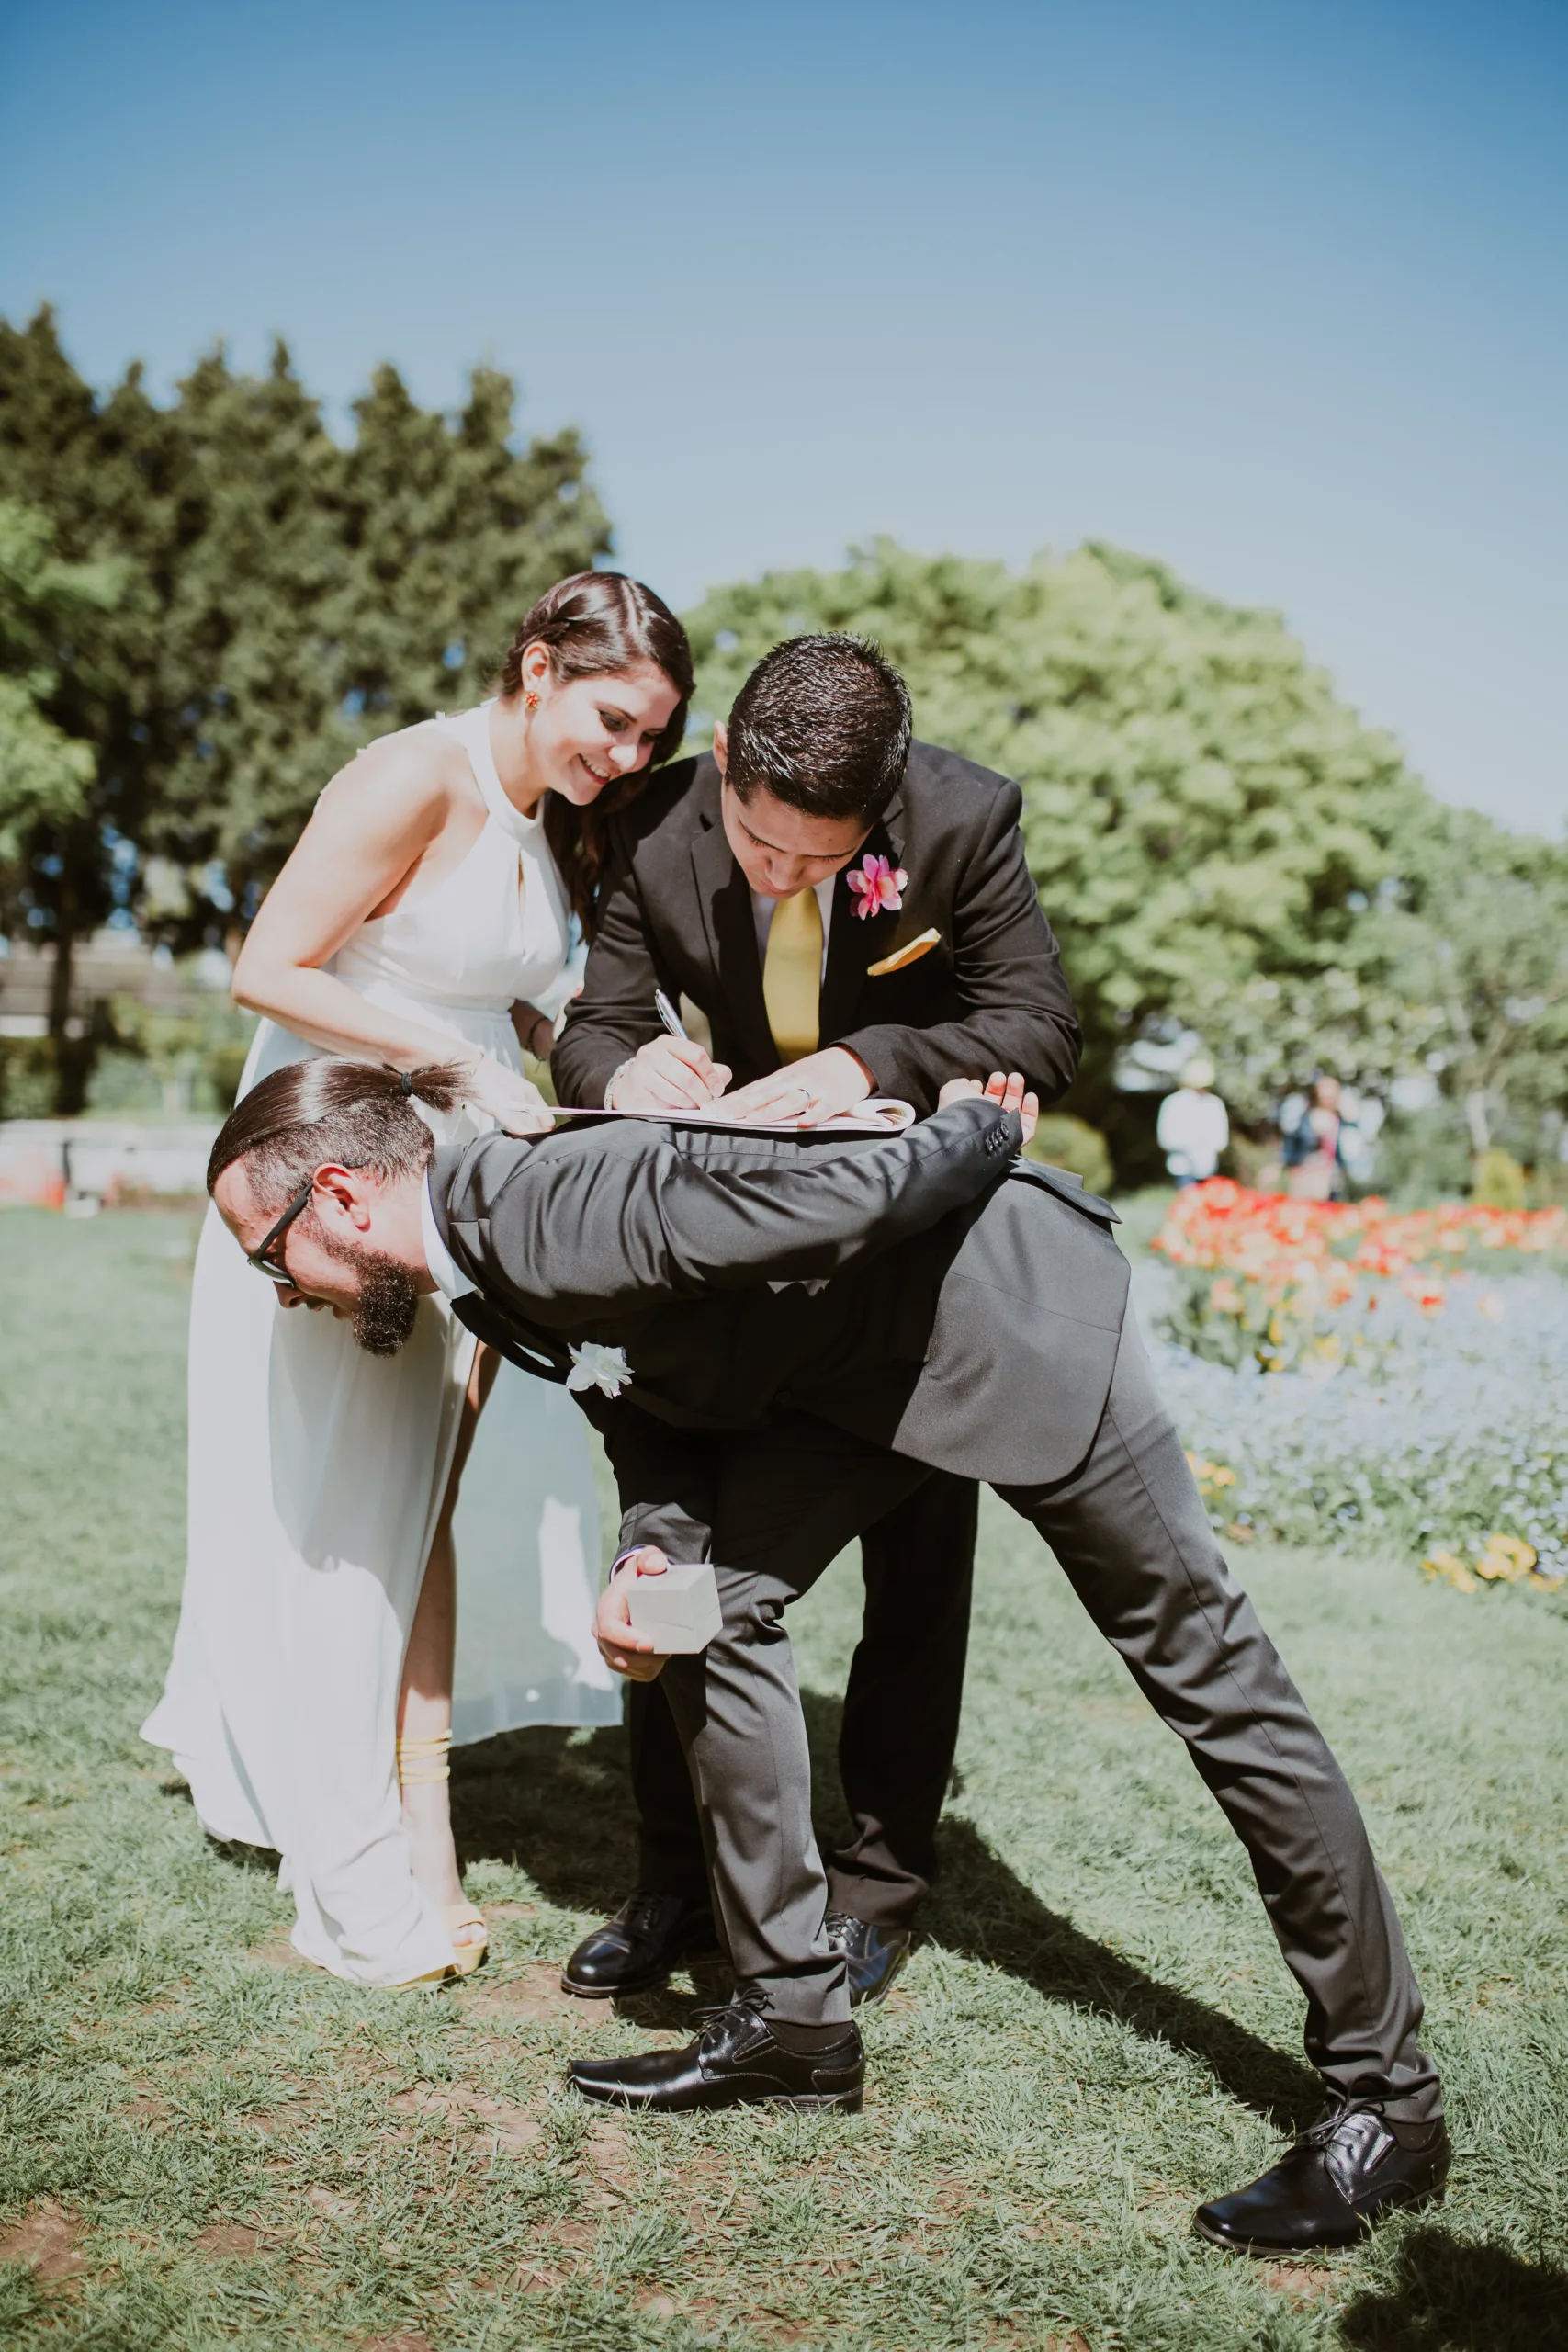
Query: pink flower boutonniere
<point>876,883</point>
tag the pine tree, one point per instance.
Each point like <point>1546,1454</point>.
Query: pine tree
<point>106,475</point>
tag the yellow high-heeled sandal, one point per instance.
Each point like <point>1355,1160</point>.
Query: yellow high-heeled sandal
<point>420,1761</point>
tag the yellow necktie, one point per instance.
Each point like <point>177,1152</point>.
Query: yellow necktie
<point>791,975</point>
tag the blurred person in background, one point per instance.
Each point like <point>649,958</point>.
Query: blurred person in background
<point>1194,1127</point>
<point>1318,1141</point>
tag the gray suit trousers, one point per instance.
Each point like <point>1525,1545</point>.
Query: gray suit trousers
<point>1131,1533</point>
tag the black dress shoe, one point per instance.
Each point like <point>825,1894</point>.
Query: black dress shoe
<point>735,2061</point>
<point>873,1955</point>
<point>1330,2188</point>
<point>649,1936</point>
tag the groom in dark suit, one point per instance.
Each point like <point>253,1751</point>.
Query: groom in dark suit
<point>780,1337</point>
<point>850,913</point>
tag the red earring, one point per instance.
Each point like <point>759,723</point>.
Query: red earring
<point>530,700</point>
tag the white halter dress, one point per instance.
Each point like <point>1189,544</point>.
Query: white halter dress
<point>317,1474</point>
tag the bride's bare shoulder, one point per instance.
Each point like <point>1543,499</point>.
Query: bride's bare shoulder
<point>412,782</point>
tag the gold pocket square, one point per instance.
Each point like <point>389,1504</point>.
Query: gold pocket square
<point>902,956</point>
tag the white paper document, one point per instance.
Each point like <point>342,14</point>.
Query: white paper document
<point>878,1115</point>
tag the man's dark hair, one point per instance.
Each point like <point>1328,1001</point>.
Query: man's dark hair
<point>823,723</point>
<point>321,1112</point>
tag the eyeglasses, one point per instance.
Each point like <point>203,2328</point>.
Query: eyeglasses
<point>261,1259</point>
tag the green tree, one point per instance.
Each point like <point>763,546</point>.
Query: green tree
<point>1458,973</point>
<point>45,775</point>
<point>450,534</point>
<point>1485,946</point>
<point>105,474</point>
<point>330,594</point>
<point>253,664</point>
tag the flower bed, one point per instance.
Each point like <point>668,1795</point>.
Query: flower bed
<point>1225,1225</point>
<point>1345,1376</point>
<point>1291,1283</point>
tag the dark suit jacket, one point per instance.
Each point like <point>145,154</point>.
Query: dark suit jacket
<point>969,1321</point>
<point>676,912</point>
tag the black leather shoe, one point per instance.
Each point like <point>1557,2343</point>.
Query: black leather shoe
<point>735,2061</point>
<point>1330,2188</point>
<point>873,1955</point>
<point>649,1936</point>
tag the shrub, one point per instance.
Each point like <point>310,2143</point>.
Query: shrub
<point>1062,1142</point>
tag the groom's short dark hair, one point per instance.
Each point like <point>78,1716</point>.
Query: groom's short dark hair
<point>823,723</point>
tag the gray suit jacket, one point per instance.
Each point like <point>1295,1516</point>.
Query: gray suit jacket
<point>931,1293</point>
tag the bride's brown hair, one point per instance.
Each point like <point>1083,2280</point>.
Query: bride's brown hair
<point>596,625</point>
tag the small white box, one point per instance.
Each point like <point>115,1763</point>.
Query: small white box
<point>679,1610</point>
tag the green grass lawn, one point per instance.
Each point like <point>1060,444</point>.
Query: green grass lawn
<point>203,2142</point>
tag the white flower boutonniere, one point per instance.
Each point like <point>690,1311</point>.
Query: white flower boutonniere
<point>595,1366</point>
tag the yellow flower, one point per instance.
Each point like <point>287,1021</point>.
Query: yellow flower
<point>1507,1558</point>
<point>1209,1474</point>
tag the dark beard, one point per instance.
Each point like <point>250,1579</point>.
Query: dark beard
<point>385,1308</point>
<point>387,1302</point>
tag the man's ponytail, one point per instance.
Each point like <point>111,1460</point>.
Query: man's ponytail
<point>350,1113</point>
<point>441,1086</point>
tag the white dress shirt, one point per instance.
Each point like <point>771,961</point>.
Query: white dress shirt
<point>450,1279</point>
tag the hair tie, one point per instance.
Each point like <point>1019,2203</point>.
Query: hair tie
<point>406,1081</point>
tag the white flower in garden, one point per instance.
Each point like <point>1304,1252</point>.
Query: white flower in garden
<point>597,1366</point>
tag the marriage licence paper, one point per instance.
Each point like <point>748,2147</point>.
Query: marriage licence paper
<point>877,1115</point>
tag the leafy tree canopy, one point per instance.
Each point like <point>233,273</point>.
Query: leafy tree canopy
<point>46,606</point>
<point>330,593</point>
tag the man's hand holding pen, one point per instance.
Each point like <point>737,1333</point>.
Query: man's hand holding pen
<point>675,1073</point>
<point>669,1073</point>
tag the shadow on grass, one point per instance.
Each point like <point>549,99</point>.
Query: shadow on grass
<point>1447,2295</point>
<point>979,1907</point>
<point>264,1860</point>
<point>557,1804</point>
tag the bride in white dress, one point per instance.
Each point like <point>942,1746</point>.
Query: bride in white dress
<point>426,907</point>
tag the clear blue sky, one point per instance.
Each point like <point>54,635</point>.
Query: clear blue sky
<point>1273,291</point>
